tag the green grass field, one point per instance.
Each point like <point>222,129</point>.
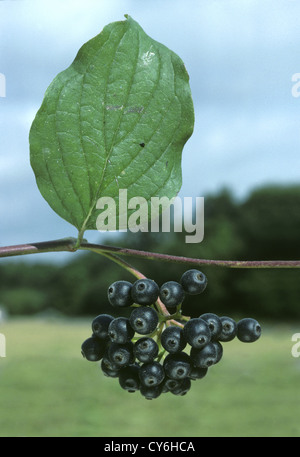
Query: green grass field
<point>48,389</point>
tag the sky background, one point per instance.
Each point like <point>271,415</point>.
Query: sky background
<point>241,56</point>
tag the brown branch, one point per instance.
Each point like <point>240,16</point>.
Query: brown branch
<point>70,245</point>
<point>64,244</point>
<point>192,261</point>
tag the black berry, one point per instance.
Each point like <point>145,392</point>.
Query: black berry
<point>194,282</point>
<point>170,384</point>
<point>214,323</point>
<point>207,356</point>
<point>229,329</point>
<point>197,373</point>
<point>144,320</point>
<point>119,294</point>
<point>182,388</point>
<point>145,349</point>
<point>219,350</point>
<point>151,374</point>
<point>93,349</point>
<point>172,339</point>
<point>129,378</point>
<point>196,332</point>
<point>100,325</point>
<point>248,330</point>
<point>171,294</point>
<point>144,292</point>
<point>151,392</point>
<point>121,355</point>
<point>109,369</point>
<point>177,366</point>
<point>120,330</point>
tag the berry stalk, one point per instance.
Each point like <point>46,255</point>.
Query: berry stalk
<point>122,263</point>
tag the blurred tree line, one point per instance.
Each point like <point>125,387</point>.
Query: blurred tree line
<point>266,226</point>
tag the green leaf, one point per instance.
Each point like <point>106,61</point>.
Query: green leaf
<point>117,118</point>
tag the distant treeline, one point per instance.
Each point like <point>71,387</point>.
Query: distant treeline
<point>266,226</point>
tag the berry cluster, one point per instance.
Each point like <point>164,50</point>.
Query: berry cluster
<point>156,349</point>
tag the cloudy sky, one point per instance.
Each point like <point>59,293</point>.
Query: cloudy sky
<point>241,57</point>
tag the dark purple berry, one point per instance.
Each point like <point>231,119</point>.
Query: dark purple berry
<point>151,374</point>
<point>144,320</point>
<point>214,323</point>
<point>172,339</point>
<point>121,355</point>
<point>196,333</point>
<point>100,325</point>
<point>120,330</point>
<point>93,349</point>
<point>248,330</point>
<point>145,349</point>
<point>182,388</point>
<point>229,329</point>
<point>198,373</point>
<point>144,292</point>
<point>170,384</point>
<point>119,294</point>
<point>207,356</point>
<point>109,369</point>
<point>171,294</point>
<point>194,282</point>
<point>129,378</point>
<point>151,392</point>
<point>177,366</point>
